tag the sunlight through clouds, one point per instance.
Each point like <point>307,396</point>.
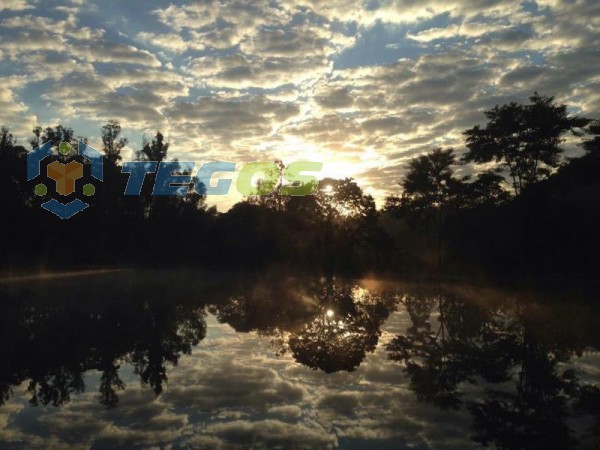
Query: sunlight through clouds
<point>355,85</point>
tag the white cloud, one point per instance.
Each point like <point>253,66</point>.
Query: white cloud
<point>244,79</point>
<point>169,41</point>
<point>15,5</point>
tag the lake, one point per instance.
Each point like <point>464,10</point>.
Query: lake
<point>185,359</point>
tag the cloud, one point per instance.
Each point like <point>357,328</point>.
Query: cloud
<point>195,15</point>
<point>169,41</point>
<point>240,71</point>
<point>300,41</point>
<point>344,404</point>
<point>404,11</point>
<point>360,86</point>
<point>15,114</point>
<point>24,41</point>
<point>64,28</point>
<point>335,98</point>
<point>15,5</point>
<point>112,53</point>
<point>255,388</point>
<point>266,434</point>
<point>245,16</point>
<point>467,30</point>
<point>228,118</point>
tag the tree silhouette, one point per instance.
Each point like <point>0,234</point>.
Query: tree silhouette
<point>154,149</point>
<point>57,135</point>
<point>110,383</point>
<point>112,142</point>
<point>524,138</point>
<point>592,145</point>
<point>269,190</point>
<point>439,355</point>
<point>55,339</point>
<point>431,192</point>
<point>348,223</point>
<point>487,190</point>
<point>429,183</point>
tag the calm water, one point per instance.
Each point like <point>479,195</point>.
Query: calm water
<point>185,360</point>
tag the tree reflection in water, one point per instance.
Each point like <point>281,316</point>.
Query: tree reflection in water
<point>346,327</point>
<point>52,342</point>
<point>507,363</point>
<point>328,325</point>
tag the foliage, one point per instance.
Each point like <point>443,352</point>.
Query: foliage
<point>472,221</point>
<point>524,138</point>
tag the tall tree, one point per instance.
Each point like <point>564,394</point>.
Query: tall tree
<point>112,142</point>
<point>8,145</point>
<point>12,176</point>
<point>154,149</point>
<point>348,222</point>
<point>430,182</point>
<point>341,200</point>
<point>431,190</point>
<point>524,138</point>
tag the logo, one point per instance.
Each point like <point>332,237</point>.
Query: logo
<point>175,177</point>
<point>63,173</point>
<point>66,176</point>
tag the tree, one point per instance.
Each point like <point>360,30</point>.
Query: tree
<point>112,143</point>
<point>486,189</point>
<point>345,327</point>
<point>13,194</point>
<point>524,138</point>
<point>347,222</point>
<point>592,145</point>
<point>57,135</point>
<point>8,146</point>
<point>269,190</point>
<point>431,191</point>
<point>154,149</point>
<point>430,182</point>
<point>341,200</point>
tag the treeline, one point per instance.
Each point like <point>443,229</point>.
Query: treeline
<point>528,211</point>
<point>334,230</point>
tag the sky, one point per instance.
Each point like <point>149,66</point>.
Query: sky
<point>362,86</point>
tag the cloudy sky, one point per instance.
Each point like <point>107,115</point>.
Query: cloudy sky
<point>360,85</point>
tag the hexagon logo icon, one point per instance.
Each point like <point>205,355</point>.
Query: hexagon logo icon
<point>61,177</point>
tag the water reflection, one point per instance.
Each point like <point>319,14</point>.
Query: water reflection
<point>508,363</point>
<point>516,351</point>
<point>329,325</point>
<point>50,342</point>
